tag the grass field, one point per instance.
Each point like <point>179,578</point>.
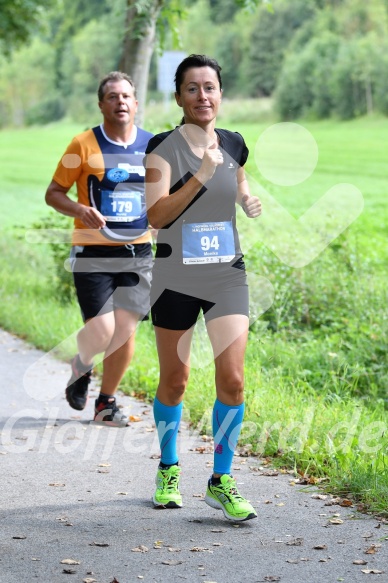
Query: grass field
<point>316,365</point>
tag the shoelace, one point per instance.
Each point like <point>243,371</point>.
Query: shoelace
<point>170,482</point>
<point>231,488</point>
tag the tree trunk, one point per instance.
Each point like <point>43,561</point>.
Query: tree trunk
<point>369,95</point>
<point>138,46</point>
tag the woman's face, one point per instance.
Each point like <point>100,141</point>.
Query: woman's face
<point>200,95</point>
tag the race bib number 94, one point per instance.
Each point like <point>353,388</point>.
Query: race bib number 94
<point>207,242</point>
<point>120,206</point>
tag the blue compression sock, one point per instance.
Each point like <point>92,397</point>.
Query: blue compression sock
<point>227,422</point>
<point>167,421</point>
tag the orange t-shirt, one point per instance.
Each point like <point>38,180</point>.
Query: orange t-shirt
<point>109,177</point>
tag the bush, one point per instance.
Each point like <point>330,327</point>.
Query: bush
<point>63,279</point>
<point>51,109</point>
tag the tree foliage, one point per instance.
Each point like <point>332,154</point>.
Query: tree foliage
<point>313,57</point>
<point>270,38</point>
<point>337,66</point>
<point>19,19</point>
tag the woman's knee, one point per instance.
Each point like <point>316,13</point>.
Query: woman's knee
<point>230,388</point>
<point>173,385</point>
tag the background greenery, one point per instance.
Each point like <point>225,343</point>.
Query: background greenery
<point>314,58</point>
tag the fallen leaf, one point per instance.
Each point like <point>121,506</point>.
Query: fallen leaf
<point>319,496</point>
<point>89,580</point>
<point>336,521</point>
<point>140,549</point>
<point>19,537</point>
<point>69,571</point>
<point>320,547</point>
<point>296,542</point>
<point>292,561</point>
<point>172,563</point>
<point>95,544</point>
<point>173,550</point>
<point>198,549</point>
<point>345,502</point>
<point>135,418</point>
<point>57,484</point>
<point>360,562</point>
<point>122,493</point>
<point>70,562</point>
<point>372,549</point>
<point>372,571</point>
<point>35,559</point>
<point>217,530</point>
<point>271,578</point>
<point>114,580</point>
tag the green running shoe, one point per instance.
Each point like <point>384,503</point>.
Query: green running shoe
<point>226,497</point>
<point>167,493</point>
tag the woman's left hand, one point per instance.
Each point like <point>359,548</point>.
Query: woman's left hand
<point>251,206</point>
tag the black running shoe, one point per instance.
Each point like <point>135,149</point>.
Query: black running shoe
<point>77,387</point>
<point>107,413</point>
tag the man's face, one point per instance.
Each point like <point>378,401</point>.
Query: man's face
<point>119,104</point>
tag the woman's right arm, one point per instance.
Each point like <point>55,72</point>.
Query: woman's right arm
<point>163,208</point>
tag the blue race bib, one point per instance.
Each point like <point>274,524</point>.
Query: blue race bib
<point>120,207</point>
<point>208,242</point>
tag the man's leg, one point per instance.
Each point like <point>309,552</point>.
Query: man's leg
<point>95,337</point>
<point>92,339</point>
<point>117,358</point>
<point>119,352</point>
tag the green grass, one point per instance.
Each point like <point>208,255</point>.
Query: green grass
<point>316,364</point>
<point>28,161</point>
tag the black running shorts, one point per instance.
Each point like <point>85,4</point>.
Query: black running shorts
<point>111,277</point>
<point>175,309</point>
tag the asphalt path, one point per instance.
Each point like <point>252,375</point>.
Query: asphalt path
<point>75,501</point>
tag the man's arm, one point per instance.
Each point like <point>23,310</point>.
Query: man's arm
<point>56,196</point>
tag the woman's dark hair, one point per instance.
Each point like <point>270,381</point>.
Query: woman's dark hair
<point>195,61</point>
<point>189,63</point>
